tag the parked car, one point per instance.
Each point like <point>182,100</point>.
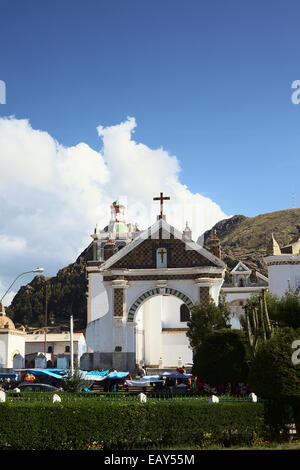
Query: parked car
<point>37,387</point>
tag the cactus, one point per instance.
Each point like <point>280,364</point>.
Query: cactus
<point>258,325</point>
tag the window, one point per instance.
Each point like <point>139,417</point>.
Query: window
<point>50,349</point>
<point>67,349</point>
<point>184,313</point>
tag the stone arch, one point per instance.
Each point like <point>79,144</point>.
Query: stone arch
<point>153,292</point>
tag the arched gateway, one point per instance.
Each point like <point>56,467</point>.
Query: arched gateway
<point>135,296</point>
<point>153,292</point>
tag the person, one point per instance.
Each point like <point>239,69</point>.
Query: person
<point>244,389</point>
<point>199,385</point>
<point>228,388</point>
<point>7,384</point>
<point>115,387</point>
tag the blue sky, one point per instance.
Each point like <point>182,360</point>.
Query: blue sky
<point>207,82</point>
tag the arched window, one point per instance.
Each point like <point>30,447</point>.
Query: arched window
<point>50,350</point>
<point>184,313</point>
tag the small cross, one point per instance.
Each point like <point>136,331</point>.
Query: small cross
<point>162,252</point>
<point>161,199</point>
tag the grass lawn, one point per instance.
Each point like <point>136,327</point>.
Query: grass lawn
<point>267,446</point>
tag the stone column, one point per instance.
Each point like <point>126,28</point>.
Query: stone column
<point>120,347</point>
<point>119,286</point>
<point>204,296</point>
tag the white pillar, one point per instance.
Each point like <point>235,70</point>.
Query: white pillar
<point>71,345</point>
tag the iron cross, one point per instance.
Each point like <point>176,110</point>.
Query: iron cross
<point>161,199</point>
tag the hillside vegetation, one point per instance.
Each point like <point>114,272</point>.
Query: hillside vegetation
<point>247,238</point>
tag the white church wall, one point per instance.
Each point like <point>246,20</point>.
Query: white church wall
<point>144,335</point>
<point>99,334</point>
<point>187,287</point>
<point>16,345</point>
<point>173,347</point>
<point>171,312</point>
<point>140,336</point>
<point>98,297</point>
<point>231,297</point>
<point>152,326</point>
<point>140,346</point>
<point>11,344</point>
<point>215,290</point>
<point>282,277</point>
<point>3,350</point>
<point>136,290</point>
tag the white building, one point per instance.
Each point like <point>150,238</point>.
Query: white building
<point>12,341</point>
<point>241,289</point>
<point>57,344</point>
<point>139,297</point>
<point>283,267</point>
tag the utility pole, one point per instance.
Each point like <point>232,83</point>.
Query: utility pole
<point>71,346</point>
<point>46,314</point>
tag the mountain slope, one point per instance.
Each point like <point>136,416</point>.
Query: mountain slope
<point>247,238</point>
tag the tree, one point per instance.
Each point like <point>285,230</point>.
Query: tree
<point>273,375</point>
<point>265,313</point>
<point>206,319</point>
<point>222,357</point>
<point>74,382</point>
<point>285,312</point>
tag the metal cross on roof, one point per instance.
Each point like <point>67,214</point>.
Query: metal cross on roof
<point>161,199</point>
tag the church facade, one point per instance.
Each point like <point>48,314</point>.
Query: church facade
<point>140,295</point>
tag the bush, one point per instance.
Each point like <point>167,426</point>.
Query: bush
<point>74,382</point>
<point>222,357</point>
<point>273,375</point>
<point>121,425</point>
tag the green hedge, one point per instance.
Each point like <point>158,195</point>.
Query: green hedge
<point>123,425</point>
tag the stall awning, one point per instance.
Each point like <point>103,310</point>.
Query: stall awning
<point>171,375</point>
<point>98,376</point>
<point>55,373</point>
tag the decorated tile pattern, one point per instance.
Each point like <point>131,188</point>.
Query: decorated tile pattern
<point>144,255</point>
<point>170,277</point>
<point>204,296</point>
<point>118,302</point>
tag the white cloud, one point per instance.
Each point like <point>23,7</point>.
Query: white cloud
<point>52,196</point>
<point>139,173</point>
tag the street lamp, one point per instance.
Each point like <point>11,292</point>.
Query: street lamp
<point>37,270</point>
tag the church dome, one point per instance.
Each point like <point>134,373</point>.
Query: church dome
<point>5,322</point>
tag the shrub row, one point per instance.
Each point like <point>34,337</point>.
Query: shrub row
<point>123,425</point>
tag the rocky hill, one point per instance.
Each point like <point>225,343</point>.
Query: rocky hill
<point>242,238</point>
<point>247,238</point>
<point>66,294</point>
